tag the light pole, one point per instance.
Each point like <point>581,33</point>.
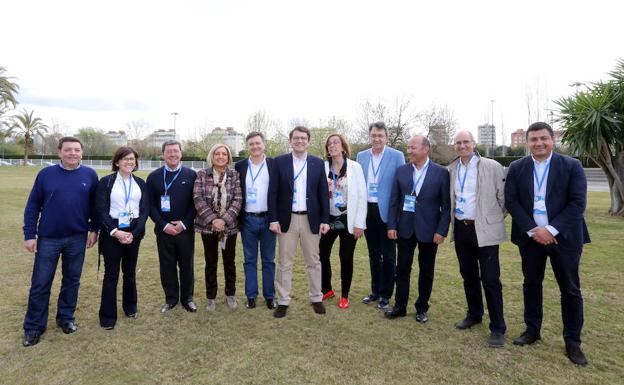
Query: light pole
<point>577,85</point>
<point>493,129</point>
<point>175,115</point>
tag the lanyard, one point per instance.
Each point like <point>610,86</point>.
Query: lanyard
<point>300,171</point>
<point>375,172</point>
<point>462,182</point>
<point>539,181</point>
<point>421,175</point>
<point>333,175</point>
<point>167,186</point>
<point>127,191</point>
<point>253,178</point>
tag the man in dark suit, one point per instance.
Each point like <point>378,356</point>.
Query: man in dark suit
<point>254,219</point>
<point>298,212</point>
<point>419,215</point>
<point>546,194</point>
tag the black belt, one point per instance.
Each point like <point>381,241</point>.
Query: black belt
<point>300,212</point>
<point>373,204</point>
<point>467,222</point>
<point>260,214</point>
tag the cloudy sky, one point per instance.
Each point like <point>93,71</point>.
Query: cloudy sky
<point>106,63</point>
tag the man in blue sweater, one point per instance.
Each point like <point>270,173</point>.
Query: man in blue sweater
<point>59,220</point>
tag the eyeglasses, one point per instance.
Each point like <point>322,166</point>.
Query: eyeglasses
<point>129,160</point>
<point>299,138</point>
<point>334,143</point>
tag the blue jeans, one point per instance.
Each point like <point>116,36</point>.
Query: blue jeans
<point>254,230</point>
<point>72,249</point>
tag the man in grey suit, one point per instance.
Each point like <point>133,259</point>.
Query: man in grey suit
<point>478,206</point>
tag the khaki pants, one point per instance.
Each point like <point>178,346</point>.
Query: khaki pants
<point>299,230</point>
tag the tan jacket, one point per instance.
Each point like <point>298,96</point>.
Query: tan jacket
<point>490,210</point>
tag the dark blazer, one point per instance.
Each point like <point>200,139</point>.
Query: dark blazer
<point>566,197</point>
<point>102,205</point>
<point>433,206</point>
<point>281,192</point>
<point>181,192</point>
<point>241,166</point>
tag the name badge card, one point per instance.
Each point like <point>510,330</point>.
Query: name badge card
<point>409,203</point>
<point>338,199</point>
<point>124,220</point>
<point>252,195</point>
<point>539,207</point>
<point>459,204</point>
<point>294,195</point>
<point>372,190</point>
<point>165,203</point>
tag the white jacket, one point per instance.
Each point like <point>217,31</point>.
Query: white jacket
<point>357,205</point>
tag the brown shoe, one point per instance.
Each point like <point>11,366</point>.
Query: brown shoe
<point>318,307</point>
<point>280,312</point>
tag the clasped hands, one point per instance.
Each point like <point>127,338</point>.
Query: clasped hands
<point>437,238</point>
<point>542,236</point>
<point>124,237</point>
<point>174,228</point>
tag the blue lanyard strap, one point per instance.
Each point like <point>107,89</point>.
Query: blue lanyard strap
<point>420,176</point>
<point>300,171</point>
<point>167,186</point>
<point>462,182</point>
<point>540,182</point>
<point>253,178</point>
<point>375,172</point>
<point>127,191</point>
<point>333,175</point>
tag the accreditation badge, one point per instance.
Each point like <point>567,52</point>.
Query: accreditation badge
<point>338,199</point>
<point>252,195</point>
<point>165,203</point>
<point>372,190</point>
<point>409,203</point>
<point>124,220</point>
<point>539,205</point>
<point>294,196</point>
<point>459,204</point>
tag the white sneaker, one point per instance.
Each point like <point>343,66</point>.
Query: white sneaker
<point>231,302</point>
<point>211,305</point>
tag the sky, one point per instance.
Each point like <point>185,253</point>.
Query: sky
<point>106,63</point>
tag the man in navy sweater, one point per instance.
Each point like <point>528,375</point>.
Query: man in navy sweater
<point>59,220</point>
<point>173,212</point>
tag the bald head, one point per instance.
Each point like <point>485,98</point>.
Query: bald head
<point>418,150</point>
<point>464,145</point>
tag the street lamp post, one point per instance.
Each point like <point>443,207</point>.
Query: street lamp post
<point>175,115</point>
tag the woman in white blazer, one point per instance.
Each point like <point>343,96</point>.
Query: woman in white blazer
<point>347,212</point>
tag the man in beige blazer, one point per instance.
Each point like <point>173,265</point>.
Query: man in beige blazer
<point>477,203</point>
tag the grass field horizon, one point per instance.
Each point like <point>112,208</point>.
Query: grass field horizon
<point>353,346</point>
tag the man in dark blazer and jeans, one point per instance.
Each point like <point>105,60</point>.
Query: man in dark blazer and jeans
<point>419,215</point>
<point>298,213</point>
<point>546,194</point>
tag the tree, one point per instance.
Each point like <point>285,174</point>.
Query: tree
<point>95,142</point>
<point>8,91</point>
<point>594,125</point>
<point>440,124</point>
<point>28,126</point>
<point>400,119</point>
<point>137,128</point>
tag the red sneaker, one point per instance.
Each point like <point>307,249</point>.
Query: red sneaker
<point>343,303</point>
<point>328,295</point>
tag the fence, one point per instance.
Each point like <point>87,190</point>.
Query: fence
<point>101,164</point>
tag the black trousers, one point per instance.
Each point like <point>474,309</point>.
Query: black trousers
<point>479,265</point>
<point>211,254</point>
<point>117,255</point>
<point>381,253</point>
<point>345,251</point>
<point>565,265</point>
<point>426,264</point>
<point>177,252</point>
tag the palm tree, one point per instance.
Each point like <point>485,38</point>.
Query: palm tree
<point>594,122</point>
<point>28,126</point>
<point>8,90</point>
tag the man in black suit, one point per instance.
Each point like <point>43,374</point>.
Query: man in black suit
<point>546,194</point>
<point>298,212</point>
<point>419,215</point>
<point>173,212</point>
<point>254,219</point>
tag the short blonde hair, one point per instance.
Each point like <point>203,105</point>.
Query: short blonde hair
<point>215,148</point>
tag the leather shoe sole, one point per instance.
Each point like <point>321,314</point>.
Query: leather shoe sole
<point>68,328</point>
<point>280,312</point>
<point>496,340</point>
<point>30,340</point>
<point>575,354</point>
<point>467,323</point>
<point>395,313</point>
<point>190,307</point>
<point>527,338</point>
<point>318,307</point>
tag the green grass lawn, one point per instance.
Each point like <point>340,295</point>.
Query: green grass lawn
<point>354,346</point>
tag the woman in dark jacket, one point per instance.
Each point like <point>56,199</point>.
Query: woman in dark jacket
<point>122,208</point>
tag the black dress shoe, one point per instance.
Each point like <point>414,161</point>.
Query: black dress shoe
<point>270,304</point>
<point>251,303</point>
<point>370,299</point>
<point>108,327</point>
<point>575,354</point>
<point>496,340</point>
<point>68,327</point>
<point>30,340</point>
<point>190,307</point>
<point>318,307</point>
<point>280,312</point>
<point>166,307</point>
<point>395,313</point>
<point>421,317</point>
<point>527,338</point>
<point>467,323</point>
<point>133,315</point>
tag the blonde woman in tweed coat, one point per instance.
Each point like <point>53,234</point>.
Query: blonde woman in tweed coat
<point>218,199</point>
